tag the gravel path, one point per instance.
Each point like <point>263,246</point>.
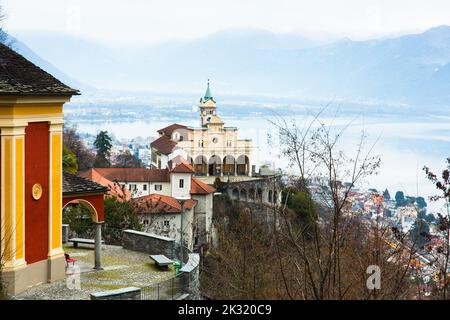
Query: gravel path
<point>122,268</point>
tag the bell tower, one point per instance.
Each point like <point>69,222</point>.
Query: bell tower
<point>208,110</point>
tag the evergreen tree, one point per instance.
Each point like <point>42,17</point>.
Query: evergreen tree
<point>386,195</point>
<point>103,145</point>
<point>305,210</point>
<point>421,203</point>
<point>400,199</point>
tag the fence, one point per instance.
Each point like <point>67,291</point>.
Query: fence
<point>169,289</point>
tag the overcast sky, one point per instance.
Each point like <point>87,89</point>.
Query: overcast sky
<point>119,22</point>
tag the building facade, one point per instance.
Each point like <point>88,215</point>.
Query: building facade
<point>158,194</point>
<point>212,149</point>
<point>31,125</point>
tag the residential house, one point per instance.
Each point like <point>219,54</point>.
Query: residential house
<point>159,194</point>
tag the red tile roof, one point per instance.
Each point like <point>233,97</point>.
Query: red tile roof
<point>183,168</point>
<point>157,203</point>
<point>114,188</point>
<point>180,165</point>
<point>199,187</point>
<point>164,145</point>
<point>167,131</point>
<point>133,174</point>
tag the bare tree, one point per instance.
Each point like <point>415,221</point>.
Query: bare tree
<point>442,258</point>
<point>74,143</point>
<point>332,262</point>
<point>316,245</point>
<point>5,255</point>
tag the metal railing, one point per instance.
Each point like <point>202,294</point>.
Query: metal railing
<point>166,290</point>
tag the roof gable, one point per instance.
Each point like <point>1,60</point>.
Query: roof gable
<point>114,189</point>
<point>164,144</point>
<point>18,76</point>
<point>167,131</point>
<point>157,203</point>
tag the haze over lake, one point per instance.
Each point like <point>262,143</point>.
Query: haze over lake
<point>405,142</point>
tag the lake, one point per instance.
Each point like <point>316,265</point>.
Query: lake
<point>405,143</point>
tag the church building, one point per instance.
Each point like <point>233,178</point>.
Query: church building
<point>213,149</point>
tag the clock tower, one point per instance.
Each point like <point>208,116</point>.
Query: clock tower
<point>208,110</point>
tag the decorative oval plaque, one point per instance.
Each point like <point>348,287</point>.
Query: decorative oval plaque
<point>36,191</point>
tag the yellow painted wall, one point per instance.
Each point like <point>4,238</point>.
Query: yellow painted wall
<point>20,212</point>
<point>56,189</point>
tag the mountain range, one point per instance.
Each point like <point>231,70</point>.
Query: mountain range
<point>410,69</point>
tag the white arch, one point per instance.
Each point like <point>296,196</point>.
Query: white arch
<point>94,214</point>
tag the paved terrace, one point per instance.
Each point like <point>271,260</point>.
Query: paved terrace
<point>122,268</point>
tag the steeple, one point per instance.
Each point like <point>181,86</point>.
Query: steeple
<point>208,112</point>
<point>208,96</point>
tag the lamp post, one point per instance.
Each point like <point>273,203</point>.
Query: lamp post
<point>182,232</point>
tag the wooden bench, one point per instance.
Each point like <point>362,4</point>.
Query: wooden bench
<point>161,261</point>
<point>76,241</point>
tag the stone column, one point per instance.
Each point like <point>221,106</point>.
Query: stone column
<point>98,245</point>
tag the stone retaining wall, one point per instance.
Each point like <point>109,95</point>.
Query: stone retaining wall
<point>130,293</point>
<point>154,244</point>
<point>148,243</point>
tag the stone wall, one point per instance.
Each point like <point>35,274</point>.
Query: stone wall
<point>153,244</point>
<point>130,293</point>
<point>148,243</point>
<point>224,209</point>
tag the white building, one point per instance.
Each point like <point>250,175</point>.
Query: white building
<point>212,149</point>
<point>158,194</point>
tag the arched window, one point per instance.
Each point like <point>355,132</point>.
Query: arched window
<point>235,194</point>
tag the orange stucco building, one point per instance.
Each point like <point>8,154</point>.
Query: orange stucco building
<point>31,124</point>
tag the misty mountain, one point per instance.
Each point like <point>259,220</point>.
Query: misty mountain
<point>411,69</point>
